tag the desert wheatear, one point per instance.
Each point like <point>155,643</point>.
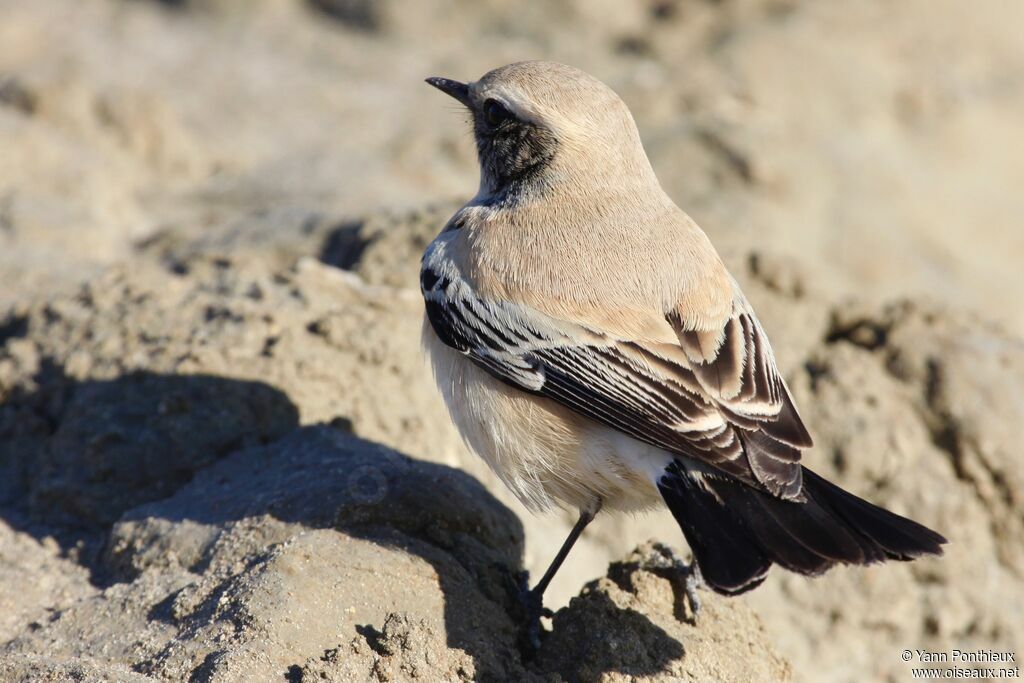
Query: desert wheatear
<point>594,350</point>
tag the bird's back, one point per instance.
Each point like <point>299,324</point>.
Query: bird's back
<point>599,259</point>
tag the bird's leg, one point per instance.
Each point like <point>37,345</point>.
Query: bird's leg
<point>532,600</point>
<point>686,576</point>
<point>691,584</point>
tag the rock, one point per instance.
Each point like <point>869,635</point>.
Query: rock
<point>323,554</point>
<point>890,396</point>
<point>403,649</point>
<point>383,248</point>
<point>41,669</point>
<point>275,554</point>
<point>239,515</point>
<point>196,276</point>
<point>35,581</point>
<point>129,400</point>
<point>631,625</point>
<point>267,554</point>
<point>140,437</point>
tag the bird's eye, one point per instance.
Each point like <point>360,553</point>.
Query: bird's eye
<point>495,113</point>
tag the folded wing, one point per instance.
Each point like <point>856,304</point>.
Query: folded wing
<point>715,397</point>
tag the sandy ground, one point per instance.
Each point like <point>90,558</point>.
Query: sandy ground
<point>220,449</point>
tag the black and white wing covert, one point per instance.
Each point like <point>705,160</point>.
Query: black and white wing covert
<point>714,397</point>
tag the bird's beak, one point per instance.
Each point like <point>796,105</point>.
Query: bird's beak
<point>459,91</point>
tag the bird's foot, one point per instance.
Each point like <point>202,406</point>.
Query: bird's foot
<point>693,582</point>
<point>684,577</point>
<point>531,629</point>
<point>530,610</point>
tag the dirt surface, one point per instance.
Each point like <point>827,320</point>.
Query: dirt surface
<point>284,548</point>
<point>222,457</point>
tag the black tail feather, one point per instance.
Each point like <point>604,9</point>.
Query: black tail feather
<point>898,537</point>
<point>736,532</point>
<point>726,552</point>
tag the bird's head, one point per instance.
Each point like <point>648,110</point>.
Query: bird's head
<point>541,125</point>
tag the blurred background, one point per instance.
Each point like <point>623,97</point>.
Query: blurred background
<point>181,179</point>
<point>877,142</point>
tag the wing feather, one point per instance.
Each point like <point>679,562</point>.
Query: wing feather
<point>717,397</point>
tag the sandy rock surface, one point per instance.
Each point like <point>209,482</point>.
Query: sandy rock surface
<point>222,456</point>
<point>294,549</point>
<point>199,460</point>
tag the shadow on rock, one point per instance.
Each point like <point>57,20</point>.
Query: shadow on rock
<point>76,455</point>
<point>594,635</point>
<point>631,625</point>
<point>322,478</point>
<point>231,530</point>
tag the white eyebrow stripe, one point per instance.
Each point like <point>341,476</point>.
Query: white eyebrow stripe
<point>518,105</point>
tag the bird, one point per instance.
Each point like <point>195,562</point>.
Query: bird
<point>592,347</point>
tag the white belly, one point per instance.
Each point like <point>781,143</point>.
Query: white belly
<point>546,454</point>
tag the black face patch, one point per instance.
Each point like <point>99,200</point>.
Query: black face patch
<point>512,152</point>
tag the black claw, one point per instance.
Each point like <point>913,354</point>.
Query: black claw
<point>691,584</point>
<point>684,577</point>
<point>530,632</point>
<point>527,610</point>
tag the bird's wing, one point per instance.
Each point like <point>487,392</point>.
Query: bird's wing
<point>714,397</point>
<point>736,369</point>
